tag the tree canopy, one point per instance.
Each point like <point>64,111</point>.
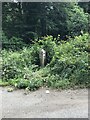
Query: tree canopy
<point>33,20</point>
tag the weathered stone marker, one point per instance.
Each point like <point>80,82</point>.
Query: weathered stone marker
<point>42,57</point>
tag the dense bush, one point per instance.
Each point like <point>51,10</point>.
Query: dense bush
<point>47,44</point>
<point>68,65</point>
<point>71,60</point>
<point>15,63</point>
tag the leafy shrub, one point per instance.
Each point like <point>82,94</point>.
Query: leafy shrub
<point>14,64</point>
<point>68,64</point>
<point>34,84</point>
<point>9,66</point>
<point>35,54</point>
<point>71,59</point>
<point>47,44</point>
<point>22,84</point>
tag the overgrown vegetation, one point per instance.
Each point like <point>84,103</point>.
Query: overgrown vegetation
<point>66,67</point>
<point>61,29</point>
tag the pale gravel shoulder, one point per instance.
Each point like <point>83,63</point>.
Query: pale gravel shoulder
<point>38,104</point>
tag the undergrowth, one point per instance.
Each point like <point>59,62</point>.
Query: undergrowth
<point>67,64</point>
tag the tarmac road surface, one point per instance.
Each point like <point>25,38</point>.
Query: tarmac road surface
<point>38,104</point>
